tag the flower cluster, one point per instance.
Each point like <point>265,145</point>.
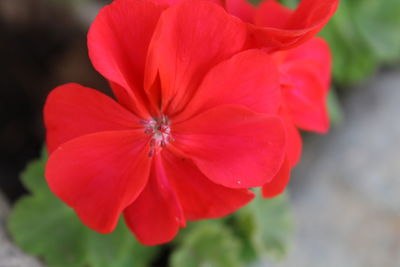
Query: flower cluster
<point>209,99</point>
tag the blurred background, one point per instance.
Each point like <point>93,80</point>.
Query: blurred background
<point>345,193</point>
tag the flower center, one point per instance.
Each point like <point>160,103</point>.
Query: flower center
<point>160,133</point>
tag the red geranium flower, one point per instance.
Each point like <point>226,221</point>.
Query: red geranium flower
<point>304,68</point>
<point>274,26</point>
<point>305,73</point>
<point>192,127</point>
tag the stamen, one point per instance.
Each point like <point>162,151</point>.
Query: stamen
<point>160,133</point>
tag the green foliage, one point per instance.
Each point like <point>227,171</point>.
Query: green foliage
<point>379,24</point>
<point>363,36</point>
<point>352,58</point>
<point>265,226</point>
<point>262,229</point>
<point>208,243</point>
<point>45,227</point>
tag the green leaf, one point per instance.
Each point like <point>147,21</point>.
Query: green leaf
<point>379,24</point>
<point>363,35</point>
<point>118,249</point>
<point>265,226</point>
<point>44,226</point>
<point>334,108</point>
<point>353,60</point>
<point>207,244</point>
<point>35,169</point>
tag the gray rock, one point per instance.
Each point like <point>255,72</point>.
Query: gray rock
<point>10,255</point>
<point>346,191</point>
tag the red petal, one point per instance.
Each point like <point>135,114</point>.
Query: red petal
<point>249,79</point>
<point>277,28</point>
<point>313,55</point>
<point>156,215</point>
<point>232,145</point>
<point>72,110</point>
<point>99,175</point>
<point>118,41</point>
<point>305,77</point>
<point>241,9</point>
<point>278,184</point>
<point>200,198</point>
<point>293,140</point>
<point>306,98</point>
<point>190,38</point>
<point>273,14</point>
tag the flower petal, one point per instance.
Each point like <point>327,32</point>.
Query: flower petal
<point>118,41</point>
<point>156,215</point>
<point>271,13</point>
<point>278,184</point>
<point>241,9</point>
<point>200,198</point>
<point>305,77</point>
<point>72,110</point>
<point>249,79</point>
<point>99,175</point>
<point>277,28</point>
<point>306,99</point>
<point>190,38</point>
<point>293,140</point>
<point>315,56</point>
<point>232,145</point>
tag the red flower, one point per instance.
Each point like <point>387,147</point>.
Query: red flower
<point>193,125</point>
<point>304,66</point>
<point>305,80</point>
<point>274,26</point>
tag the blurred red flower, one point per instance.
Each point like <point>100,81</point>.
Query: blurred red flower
<point>273,26</point>
<point>195,122</point>
<point>305,73</point>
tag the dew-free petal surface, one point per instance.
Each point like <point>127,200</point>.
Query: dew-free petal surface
<point>118,41</point>
<point>276,27</point>
<point>156,215</point>
<point>278,184</point>
<point>294,142</point>
<point>306,98</point>
<point>249,79</point>
<point>99,175</point>
<point>315,56</point>
<point>241,9</point>
<point>72,110</point>
<point>232,145</point>
<point>200,198</point>
<point>190,38</point>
